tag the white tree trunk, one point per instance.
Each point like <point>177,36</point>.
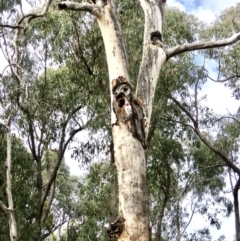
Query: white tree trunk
<point>129,131</point>
<point>11,215</point>
<point>129,154</point>
<point>132,184</point>
<point>9,211</point>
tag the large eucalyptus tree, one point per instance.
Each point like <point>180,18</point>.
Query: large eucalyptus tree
<point>131,113</point>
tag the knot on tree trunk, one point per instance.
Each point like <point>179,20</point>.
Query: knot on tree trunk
<point>129,111</point>
<point>115,229</point>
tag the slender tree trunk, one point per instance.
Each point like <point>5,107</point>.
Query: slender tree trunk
<point>178,222</point>
<point>11,215</point>
<point>166,192</point>
<point>236,209</point>
<point>114,189</point>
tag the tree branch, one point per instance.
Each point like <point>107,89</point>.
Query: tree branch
<point>204,140</point>
<point>229,117</point>
<point>202,45</point>
<point>236,208</point>
<point>61,151</point>
<point>11,26</point>
<point>11,215</point>
<point>176,121</point>
<point>4,209</point>
<point>45,235</point>
<point>32,16</point>
<point>85,64</point>
<point>92,8</point>
<point>49,203</point>
<point>223,80</point>
<point>184,110</point>
<point>189,221</point>
<point>153,56</point>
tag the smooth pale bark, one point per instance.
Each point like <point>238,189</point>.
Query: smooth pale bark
<point>202,45</point>
<point>10,214</point>
<point>132,184</point>
<point>153,56</point>
<point>114,46</point>
<point>113,189</point>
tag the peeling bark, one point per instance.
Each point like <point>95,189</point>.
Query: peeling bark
<point>129,154</point>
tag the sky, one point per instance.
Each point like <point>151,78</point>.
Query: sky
<point>205,10</point>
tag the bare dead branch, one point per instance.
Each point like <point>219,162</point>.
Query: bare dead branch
<point>202,45</point>
<point>224,80</point>
<point>74,6</point>
<point>11,26</point>
<point>29,16</point>
<point>32,16</point>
